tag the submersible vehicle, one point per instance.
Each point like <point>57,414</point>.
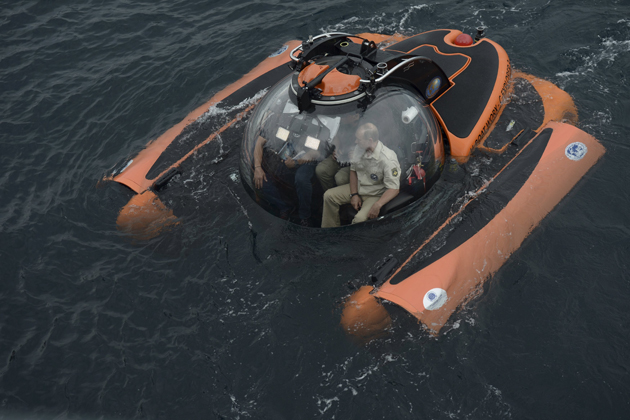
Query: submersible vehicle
<point>438,99</point>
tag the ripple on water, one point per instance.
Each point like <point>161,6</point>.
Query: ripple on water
<point>234,314</point>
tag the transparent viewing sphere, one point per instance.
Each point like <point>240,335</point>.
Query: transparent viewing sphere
<point>290,158</point>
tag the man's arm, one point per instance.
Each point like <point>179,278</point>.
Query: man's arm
<point>392,182</point>
<point>355,200</point>
<point>387,196</point>
<point>259,174</point>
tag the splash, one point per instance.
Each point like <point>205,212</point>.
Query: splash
<point>216,111</point>
<point>407,15</point>
<point>400,21</point>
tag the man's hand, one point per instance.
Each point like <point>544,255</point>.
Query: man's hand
<point>374,211</point>
<point>259,177</point>
<point>356,202</point>
<point>387,196</point>
<point>290,163</point>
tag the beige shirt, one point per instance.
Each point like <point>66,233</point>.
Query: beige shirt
<point>377,171</point>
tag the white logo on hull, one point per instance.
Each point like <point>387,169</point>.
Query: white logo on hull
<point>576,150</point>
<point>280,51</point>
<point>434,299</point>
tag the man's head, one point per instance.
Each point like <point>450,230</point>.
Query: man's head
<point>366,136</point>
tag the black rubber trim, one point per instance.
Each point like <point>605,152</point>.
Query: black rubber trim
<point>485,208</point>
<point>450,64</point>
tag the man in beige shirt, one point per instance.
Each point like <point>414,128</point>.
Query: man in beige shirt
<point>374,180</point>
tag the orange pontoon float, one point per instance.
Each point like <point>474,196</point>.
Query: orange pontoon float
<point>438,99</point>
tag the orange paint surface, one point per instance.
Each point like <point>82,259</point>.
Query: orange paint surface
<point>311,72</point>
<point>145,216</point>
<point>336,83</point>
<point>363,316</point>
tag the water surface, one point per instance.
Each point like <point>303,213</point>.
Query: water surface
<point>234,315</point>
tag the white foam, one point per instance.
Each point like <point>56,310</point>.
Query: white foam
<point>216,110</point>
<point>408,13</point>
<point>326,402</point>
<point>606,54</point>
<point>381,23</point>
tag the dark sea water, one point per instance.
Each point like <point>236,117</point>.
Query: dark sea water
<point>234,315</point>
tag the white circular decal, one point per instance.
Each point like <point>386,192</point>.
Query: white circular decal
<point>280,51</point>
<point>434,299</point>
<point>576,150</point>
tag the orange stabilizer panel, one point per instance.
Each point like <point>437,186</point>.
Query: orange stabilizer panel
<point>134,175</point>
<point>558,104</point>
<point>363,316</point>
<point>461,272</point>
<point>145,216</point>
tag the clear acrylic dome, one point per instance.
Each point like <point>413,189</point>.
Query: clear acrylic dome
<point>279,138</point>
